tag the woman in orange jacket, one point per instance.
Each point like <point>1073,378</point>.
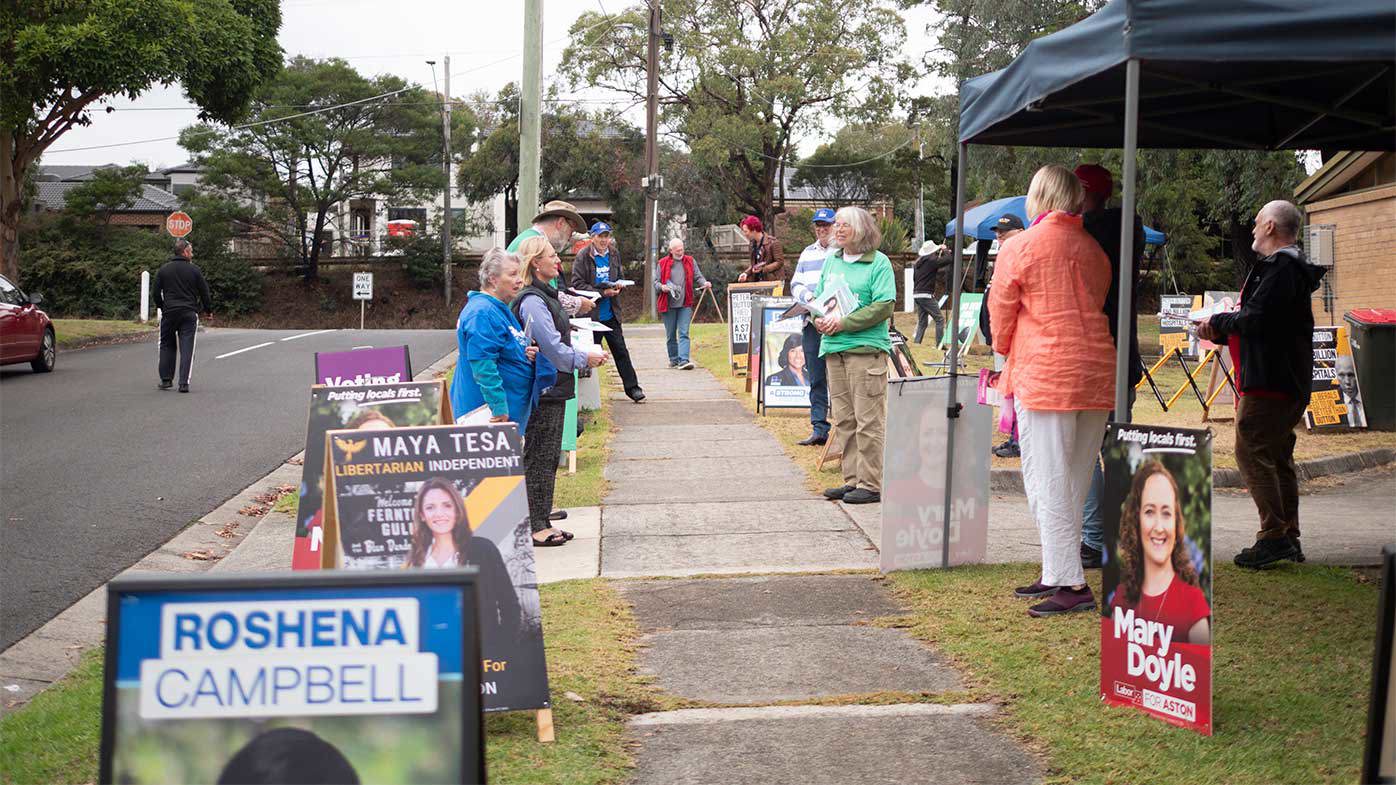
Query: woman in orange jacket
<point>1046,303</point>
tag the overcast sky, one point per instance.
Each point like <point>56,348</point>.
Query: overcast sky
<point>483,37</point>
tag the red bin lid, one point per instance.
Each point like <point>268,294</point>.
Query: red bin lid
<point>1373,315</point>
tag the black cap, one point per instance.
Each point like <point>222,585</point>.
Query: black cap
<point>1008,222</point>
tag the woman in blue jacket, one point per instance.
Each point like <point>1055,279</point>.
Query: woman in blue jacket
<point>496,366</point>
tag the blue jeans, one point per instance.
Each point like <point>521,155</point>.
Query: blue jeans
<point>818,382</point>
<point>676,321</point>
<point>1092,516</point>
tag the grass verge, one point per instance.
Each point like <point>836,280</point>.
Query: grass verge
<point>1290,692</point>
<point>590,637</point>
<point>74,333</point>
<point>587,487</point>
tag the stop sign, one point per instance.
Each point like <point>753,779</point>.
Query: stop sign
<point>179,224</point>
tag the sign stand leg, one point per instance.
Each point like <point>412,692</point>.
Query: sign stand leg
<point>361,314</point>
<point>544,718</point>
<point>571,461</point>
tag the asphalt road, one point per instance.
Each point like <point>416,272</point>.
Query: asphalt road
<point>98,468</point>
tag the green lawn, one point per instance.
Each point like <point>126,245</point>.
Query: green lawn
<point>1293,658</point>
<point>590,638</point>
<point>1292,669</point>
<point>78,332</point>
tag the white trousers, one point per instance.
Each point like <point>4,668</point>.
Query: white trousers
<point>1059,452</point>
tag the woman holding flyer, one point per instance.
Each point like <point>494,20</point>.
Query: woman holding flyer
<point>442,538</point>
<point>1046,305</point>
<point>854,344</point>
<point>1157,577</point>
<point>495,366</point>
<point>537,307</point>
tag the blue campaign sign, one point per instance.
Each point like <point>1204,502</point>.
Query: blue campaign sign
<point>201,673</point>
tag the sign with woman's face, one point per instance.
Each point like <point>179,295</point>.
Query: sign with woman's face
<point>1156,617</point>
<point>784,376</point>
<point>441,497</point>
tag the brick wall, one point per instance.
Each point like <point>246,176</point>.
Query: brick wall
<point>1364,269</point>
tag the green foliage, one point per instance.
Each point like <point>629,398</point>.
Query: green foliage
<point>582,153</point>
<point>895,235</point>
<point>797,233</point>
<point>387,148</point>
<point>111,189</point>
<point>862,163</point>
<point>236,288</point>
<point>80,272</point>
<point>62,57</point>
<point>421,258</point>
<point>744,80</point>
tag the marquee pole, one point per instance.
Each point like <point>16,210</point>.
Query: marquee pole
<point>1123,327</point>
<point>952,408</point>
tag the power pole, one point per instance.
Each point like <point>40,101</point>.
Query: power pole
<point>530,113</point>
<point>652,181</point>
<point>446,155</point>
<point>920,190</point>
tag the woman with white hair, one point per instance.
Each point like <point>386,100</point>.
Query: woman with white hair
<point>678,283</point>
<point>495,365</point>
<point>1046,305</point>
<point>854,346</point>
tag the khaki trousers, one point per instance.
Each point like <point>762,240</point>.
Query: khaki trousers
<point>858,404</point>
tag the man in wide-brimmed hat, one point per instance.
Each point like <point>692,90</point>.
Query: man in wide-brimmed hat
<point>557,221</point>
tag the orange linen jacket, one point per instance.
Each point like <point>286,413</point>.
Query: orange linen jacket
<point>1045,308</point>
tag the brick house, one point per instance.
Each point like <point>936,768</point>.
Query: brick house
<point>1355,194</point>
<point>149,211</point>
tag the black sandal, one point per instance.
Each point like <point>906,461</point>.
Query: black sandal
<point>551,541</point>
<point>566,535</point>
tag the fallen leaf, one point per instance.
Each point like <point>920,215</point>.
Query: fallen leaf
<point>254,510</point>
<point>200,555</point>
<point>572,696</point>
<point>297,461</point>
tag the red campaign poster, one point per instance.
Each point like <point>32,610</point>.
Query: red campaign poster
<point>1156,618</point>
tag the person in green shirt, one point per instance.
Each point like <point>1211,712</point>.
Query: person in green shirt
<point>855,347</point>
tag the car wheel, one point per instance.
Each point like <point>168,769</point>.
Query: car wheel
<point>48,354</point>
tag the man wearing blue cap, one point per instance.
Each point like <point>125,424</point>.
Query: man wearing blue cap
<point>803,287</point>
<point>597,269</point>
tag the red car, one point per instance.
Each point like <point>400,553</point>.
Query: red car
<point>26,334</point>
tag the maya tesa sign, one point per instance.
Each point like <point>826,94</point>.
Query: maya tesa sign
<point>179,224</point>
<point>215,679</point>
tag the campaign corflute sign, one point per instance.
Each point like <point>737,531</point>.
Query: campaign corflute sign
<point>442,497</point>
<point>216,679</point>
<point>373,365</point>
<point>1156,618</point>
<point>367,408</point>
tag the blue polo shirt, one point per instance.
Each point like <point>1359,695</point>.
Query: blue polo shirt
<point>603,281</point>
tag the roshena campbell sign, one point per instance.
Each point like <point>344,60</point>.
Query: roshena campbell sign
<point>344,677</point>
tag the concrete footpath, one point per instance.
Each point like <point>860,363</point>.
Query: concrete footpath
<point>698,488</point>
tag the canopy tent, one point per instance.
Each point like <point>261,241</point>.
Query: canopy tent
<point>981,220</point>
<point>1244,74</point>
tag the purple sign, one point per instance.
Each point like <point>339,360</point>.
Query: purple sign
<point>382,365</point>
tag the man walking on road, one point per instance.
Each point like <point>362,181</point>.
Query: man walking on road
<point>180,291</point>
<point>1271,343</point>
<point>803,287</point>
<point>597,269</point>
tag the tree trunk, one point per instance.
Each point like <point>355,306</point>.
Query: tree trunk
<point>312,261</point>
<point>1242,257</point>
<point>11,185</point>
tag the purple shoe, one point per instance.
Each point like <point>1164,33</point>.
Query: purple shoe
<point>1032,592</point>
<point>1066,600</point>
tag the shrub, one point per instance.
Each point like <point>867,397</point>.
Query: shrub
<point>894,235</point>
